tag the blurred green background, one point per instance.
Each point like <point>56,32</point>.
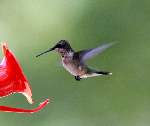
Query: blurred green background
<point>123,99</point>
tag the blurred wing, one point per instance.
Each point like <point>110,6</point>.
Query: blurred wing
<point>89,53</point>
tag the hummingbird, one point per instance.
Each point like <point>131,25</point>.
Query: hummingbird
<point>74,61</point>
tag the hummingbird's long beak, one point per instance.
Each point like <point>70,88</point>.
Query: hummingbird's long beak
<point>51,49</point>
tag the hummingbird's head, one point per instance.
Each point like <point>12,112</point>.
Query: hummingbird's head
<point>61,47</point>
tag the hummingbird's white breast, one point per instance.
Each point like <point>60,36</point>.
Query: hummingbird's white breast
<point>68,64</point>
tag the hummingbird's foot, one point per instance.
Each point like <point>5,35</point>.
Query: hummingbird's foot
<point>77,78</point>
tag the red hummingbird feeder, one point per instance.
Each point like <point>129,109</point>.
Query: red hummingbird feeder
<point>13,80</point>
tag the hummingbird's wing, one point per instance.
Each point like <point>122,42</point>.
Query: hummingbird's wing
<point>89,53</point>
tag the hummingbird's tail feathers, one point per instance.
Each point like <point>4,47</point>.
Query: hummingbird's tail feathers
<point>94,73</point>
<point>103,73</point>
<point>89,53</point>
